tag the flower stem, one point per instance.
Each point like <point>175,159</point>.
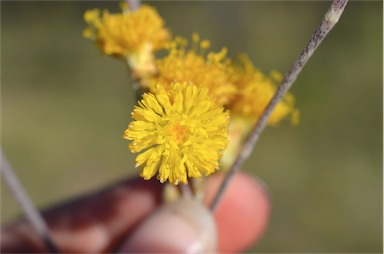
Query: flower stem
<point>186,191</point>
<point>330,19</point>
<point>30,211</point>
<point>133,4</point>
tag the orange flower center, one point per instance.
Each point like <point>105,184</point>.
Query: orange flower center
<point>178,133</point>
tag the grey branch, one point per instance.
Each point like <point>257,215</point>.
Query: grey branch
<point>30,211</point>
<point>329,21</point>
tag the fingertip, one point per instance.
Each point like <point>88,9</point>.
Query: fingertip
<point>242,215</point>
<point>184,226</point>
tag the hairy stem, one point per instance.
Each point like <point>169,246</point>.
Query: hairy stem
<point>186,191</point>
<point>30,211</point>
<point>330,19</point>
<point>133,4</point>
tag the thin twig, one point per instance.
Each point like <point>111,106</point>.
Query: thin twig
<point>329,21</point>
<point>30,211</point>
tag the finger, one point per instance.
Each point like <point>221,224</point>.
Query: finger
<point>184,226</point>
<point>241,219</point>
<point>243,213</point>
<point>94,223</point>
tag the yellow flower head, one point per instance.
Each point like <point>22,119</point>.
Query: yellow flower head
<point>180,131</point>
<point>134,35</point>
<point>212,70</point>
<point>255,90</point>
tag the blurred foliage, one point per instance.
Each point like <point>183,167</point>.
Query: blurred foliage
<point>65,106</point>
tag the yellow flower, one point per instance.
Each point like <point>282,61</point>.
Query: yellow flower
<point>134,35</point>
<point>211,70</point>
<point>255,90</point>
<point>180,131</point>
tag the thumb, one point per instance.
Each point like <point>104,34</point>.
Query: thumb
<point>184,226</point>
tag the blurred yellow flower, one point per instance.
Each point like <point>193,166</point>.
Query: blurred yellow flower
<point>255,90</point>
<point>133,35</point>
<point>212,70</point>
<point>181,132</point>
<point>238,128</point>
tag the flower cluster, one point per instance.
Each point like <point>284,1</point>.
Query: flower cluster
<point>134,35</point>
<point>195,101</point>
<point>211,70</point>
<point>255,90</point>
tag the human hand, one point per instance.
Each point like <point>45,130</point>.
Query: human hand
<point>129,217</point>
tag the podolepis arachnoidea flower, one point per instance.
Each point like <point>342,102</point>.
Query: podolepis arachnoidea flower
<point>180,132</point>
<point>131,35</point>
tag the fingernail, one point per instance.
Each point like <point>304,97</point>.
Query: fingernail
<point>184,226</point>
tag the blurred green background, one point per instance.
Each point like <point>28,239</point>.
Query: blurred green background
<point>65,106</point>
